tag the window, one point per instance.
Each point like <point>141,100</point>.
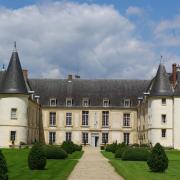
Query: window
<point>68,119</point>
<point>85,102</point>
<point>106,102</point>
<point>126,138</point>
<point>127,103</point>
<point>53,102</point>
<point>163,101</point>
<point>68,136</point>
<point>13,113</point>
<point>12,135</point>
<point>52,137</point>
<point>163,133</point>
<point>163,118</point>
<point>104,138</point>
<point>68,102</point>
<point>126,120</point>
<point>105,118</point>
<point>85,116</point>
<point>52,119</point>
<point>84,137</point>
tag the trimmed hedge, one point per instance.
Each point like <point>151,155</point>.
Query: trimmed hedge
<point>70,147</point>
<point>120,150</point>
<point>3,167</point>
<point>55,152</point>
<point>111,147</point>
<point>135,154</point>
<point>157,161</point>
<point>37,157</point>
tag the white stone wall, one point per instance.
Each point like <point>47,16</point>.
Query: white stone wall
<point>7,124</point>
<point>155,110</point>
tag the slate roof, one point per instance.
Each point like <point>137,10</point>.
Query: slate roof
<point>160,85</point>
<point>96,90</point>
<point>13,80</point>
<point>177,88</point>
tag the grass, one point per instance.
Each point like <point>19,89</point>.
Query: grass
<point>55,169</point>
<point>131,170</point>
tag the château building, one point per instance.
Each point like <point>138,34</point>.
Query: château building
<point>94,112</point>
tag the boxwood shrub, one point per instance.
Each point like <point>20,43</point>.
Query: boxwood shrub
<point>120,150</point>
<point>111,147</point>
<point>77,147</point>
<point>55,152</point>
<point>3,167</point>
<point>135,154</point>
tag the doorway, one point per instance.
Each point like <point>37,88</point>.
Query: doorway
<point>95,139</point>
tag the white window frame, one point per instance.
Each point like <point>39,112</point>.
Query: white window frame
<point>105,119</point>
<point>105,102</point>
<point>52,119</point>
<point>85,118</point>
<point>127,103</point>
<point>85,137</point>
<point>12,136</point>
<point>52,137</point>
<point>53,100</point>
<point>163,133</point>
<point>67,102</point>
<point>126,120</point>
<point>68,136</point>
<point>68,119</point>
<point>126,138</point>
<point>85,102</point>
<point>13,113</point>
<point>105,137</point>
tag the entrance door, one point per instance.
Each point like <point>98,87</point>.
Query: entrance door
<point>96,141</point>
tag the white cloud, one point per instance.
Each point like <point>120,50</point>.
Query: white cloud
<point>62,38</point>
<point>134,11</point>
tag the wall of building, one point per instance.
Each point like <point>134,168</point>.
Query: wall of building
<point>115,128</point>
<point>7,124</point>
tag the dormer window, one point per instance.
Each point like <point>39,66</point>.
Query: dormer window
<point>53,102</point>
<point>68,102</point>
<point>127,103</point>
<point>85,102</point>
<point>106,102</point>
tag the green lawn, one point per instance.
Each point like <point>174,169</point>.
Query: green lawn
<point>137,170</point>
<point>55,169</point>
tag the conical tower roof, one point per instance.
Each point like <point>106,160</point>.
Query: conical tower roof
<point>13,82</point>
<point>161,85</point>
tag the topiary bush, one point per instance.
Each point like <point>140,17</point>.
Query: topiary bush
<point>111,147</point>
<point>37,157</point>
<point>55,152</point>
<point>3,167</point>
<point>68,146</point>
<point>120,149</point>
<point>157,161</point>
<point>135,154</point>
<point>77,147</point>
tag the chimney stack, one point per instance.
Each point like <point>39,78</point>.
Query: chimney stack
<point>70,77</point>
<point>174,74</point>
<point>25,73</point>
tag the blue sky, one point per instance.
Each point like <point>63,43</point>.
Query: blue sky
<point>94,38</point>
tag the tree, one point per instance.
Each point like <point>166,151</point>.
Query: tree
<point>3,167</point>
<point>158,161</point>
<point>37,157</point>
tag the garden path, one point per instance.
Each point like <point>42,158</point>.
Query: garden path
<point>93,166</point>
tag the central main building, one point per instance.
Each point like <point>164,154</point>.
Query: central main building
<point>94,112</point>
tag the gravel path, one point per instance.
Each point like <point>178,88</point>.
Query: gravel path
<point>93,166</point>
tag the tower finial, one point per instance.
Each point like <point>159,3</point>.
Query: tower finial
<point>14,47</point>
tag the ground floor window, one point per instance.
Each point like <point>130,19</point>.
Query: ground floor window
<point>12,136</point>
<point>84,137</point>
<point>68,136</point>
<point>163,133</point>
<point>126,138</point>
<point>52,137</point>
<point>104,138</point>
